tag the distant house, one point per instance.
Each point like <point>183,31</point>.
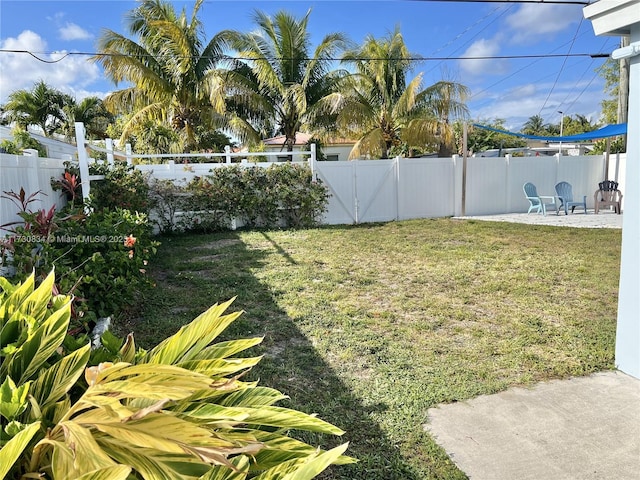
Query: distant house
<point>333,150</point>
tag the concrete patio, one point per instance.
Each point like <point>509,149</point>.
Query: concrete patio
<point>604,219</point>
<point>584,428</point>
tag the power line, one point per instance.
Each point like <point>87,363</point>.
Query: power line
<point>604,44</point>
<point>226,58</point>
<point>477,22</point>
<point>477,33</point>
<point>564,62</point>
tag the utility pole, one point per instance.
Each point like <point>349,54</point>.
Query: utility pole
<point>623,89</point>
<point>623,86</point>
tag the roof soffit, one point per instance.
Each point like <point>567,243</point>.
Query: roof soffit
<point>613,17</point>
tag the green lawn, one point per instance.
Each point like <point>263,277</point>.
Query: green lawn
<point>370,326</point>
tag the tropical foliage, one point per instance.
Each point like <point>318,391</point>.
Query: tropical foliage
<point>56,112</point>
<point>610,72</point>
<point>177,411</point>
<point>92,112</point>
<point>573,125</point>
<point>102,258</point>
<point>279,81</point>
<point>535,126</point>
<point>284,195</point>
<point>480,139</point>
<point>171,71</point>
<point>41,106</point>
<point>22,140</point>
<point>385,110</point>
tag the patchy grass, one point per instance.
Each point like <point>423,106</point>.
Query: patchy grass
<point>370,326</point>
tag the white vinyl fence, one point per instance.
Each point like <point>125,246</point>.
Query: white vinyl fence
<point>374,190</point>
<point>405,188</point>
<point>34,175</point>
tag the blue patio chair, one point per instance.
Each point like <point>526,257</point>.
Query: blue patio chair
<point>565,195</point>
<point>539,203</point>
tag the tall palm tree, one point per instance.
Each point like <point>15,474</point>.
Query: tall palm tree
<point>41,106</point>
<point>278,81</point>
<point>171,70</point>
<point>378,105</point>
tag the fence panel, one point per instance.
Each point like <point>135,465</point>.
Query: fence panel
<point>339,179</point>
<point>376,197</point>
<point>426,188</point>
<point>486,186</point>
<point>33,174</point>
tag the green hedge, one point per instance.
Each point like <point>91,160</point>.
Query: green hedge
<point>282,195</point>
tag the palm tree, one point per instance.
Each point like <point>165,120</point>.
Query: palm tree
<point>278,82</point>
<point>534,126</point>
<point>583,124</point>
<point>379,106</point>
<point>92,112</point>
<point>41,106</point>
<point>170,69</point>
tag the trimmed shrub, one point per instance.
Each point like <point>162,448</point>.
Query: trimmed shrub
<point>282,195</point>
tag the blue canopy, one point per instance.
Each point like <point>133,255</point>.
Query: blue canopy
<point>608,131</point>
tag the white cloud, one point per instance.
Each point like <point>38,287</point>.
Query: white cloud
<point>484,48</point>
<point>535,22</point>
<point>71,31</point>
<point>72,74</point>
<point>517,104</point>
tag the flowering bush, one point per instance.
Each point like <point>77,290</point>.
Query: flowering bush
<point>122,186</point>
<point>101,258</point>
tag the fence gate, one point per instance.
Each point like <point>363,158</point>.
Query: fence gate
<point>361,190</point>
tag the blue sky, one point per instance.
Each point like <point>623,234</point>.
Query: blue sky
<point>510,89</point>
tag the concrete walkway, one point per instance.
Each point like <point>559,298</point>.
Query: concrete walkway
<point>584,428</point>
<point>604,219</point>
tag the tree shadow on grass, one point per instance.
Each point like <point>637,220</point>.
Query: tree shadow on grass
<point>194,272</point>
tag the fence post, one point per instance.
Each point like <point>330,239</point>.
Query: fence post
<point>312,161</point>
<point>355,192</point>
<point>227,151</point>
<point>83,162</point>
<point>465,155</point>
<point>508,190</point>
<point>109,146</point>
<point>127,149</point>
<point>396,161</point>
<point>606,159</point>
